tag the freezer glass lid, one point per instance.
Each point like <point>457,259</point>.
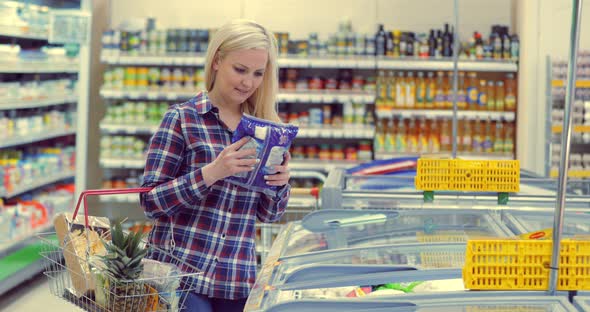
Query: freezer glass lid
<point>576,223</point>
<point>337,229</point>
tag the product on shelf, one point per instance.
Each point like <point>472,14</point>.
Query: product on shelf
<point>347,152</point>
<point>30,122</point>
<point>119,146</point>
<point>422,135</point>
<point>154,79</point>
<point>293,79</point>
<point>36,89</point>
<point>433,90</point>
<point>136,113</point>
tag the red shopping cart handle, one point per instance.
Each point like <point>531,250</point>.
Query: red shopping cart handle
<point>85,194</point>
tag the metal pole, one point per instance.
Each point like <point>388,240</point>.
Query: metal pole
<point>455,75</point>
<point>565,144</point>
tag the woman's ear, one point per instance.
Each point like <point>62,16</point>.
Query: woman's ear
<point>216,61</point>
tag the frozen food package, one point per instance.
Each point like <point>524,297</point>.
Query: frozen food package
<point>271,141</point>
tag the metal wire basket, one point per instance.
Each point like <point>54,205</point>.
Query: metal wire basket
<point>162,286</point>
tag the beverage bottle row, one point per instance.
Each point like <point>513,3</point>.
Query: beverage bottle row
<point>421,135</point>
<point>433,90</point>
<point>154,78</point>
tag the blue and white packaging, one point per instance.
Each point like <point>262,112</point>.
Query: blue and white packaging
<point>271,141</point>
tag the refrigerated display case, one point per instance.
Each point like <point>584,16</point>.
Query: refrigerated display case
<point>447,302</point>
<point>582,303</point>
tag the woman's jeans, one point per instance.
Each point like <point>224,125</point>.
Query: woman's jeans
<point>201,303</point>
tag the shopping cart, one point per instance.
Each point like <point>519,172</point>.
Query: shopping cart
<point>161,287</point>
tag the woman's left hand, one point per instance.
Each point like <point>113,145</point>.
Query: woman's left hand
<point>282,176</point>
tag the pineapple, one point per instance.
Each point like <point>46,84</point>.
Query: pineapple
<point>122,266</point>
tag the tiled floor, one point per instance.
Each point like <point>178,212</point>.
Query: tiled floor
<point>33,296</point>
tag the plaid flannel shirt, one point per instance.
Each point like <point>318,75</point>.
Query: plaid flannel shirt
<point>212,228</point>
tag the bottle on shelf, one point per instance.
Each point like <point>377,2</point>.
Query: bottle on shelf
<point>447,42</point>
<point>446,135</point>
<point>390,132</point>
<point>467,140</point>
<point>500,97</point>
<point>410,91</point>
<point>430,91</point>
<point>391,96</point>
<point>482,97</point>
<point>477,137</point>
<point>434,137</point>
<point>499,137</point>
<point>401,136</point>
<point>420,91</point>
<point>431,44</point>
<point>491,90</point>
<point>461,92</point>
<point>412,136</point>
<point>509,139</point>
<point>472,91</point>
<point>510,99</point>
<point>448,90</point>
<point>487,144</point>
<point>379,140</point>
<point>400,90</point>
<point>380,41</point>
<point>440,97</point>
<point>423,136</point>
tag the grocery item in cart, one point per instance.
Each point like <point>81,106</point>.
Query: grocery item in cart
<point>271,141</point>
<point>79,243</point>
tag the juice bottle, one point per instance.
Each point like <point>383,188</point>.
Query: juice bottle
<point>381,87</point>
<point>476,139</point>
<point>499,137</point>
<point>460,134</point>
<point>500,96</point>
<point>445,136</point>
<point>448,90</point>
<point>482,97</point>
<point>400,90</point>
<point>461,92</point>
<point>439,98</point>
<point>391,89</point>
<point>509,138</point>
<point>467,136</point>
<point>510,99</point>
<point>491,95</point>
<point>412,137</point>
<point>430,90</point>
<point>434,137</point>
<point>410,91</point>
<point>390,136</point>
<point>487,144</point>
<point>420,91</point>
<point>423,135</point>
<point>472,91</point>
<point>379,141</point>
<point>401,137</point>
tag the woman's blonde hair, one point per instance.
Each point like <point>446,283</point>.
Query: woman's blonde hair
<point>244,34</point>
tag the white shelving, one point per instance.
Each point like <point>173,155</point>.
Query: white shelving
<point>325,96</point>
<point>321,165</point>
<point>38,67</point>
<point>337,133</point>
<point>39,182</point>
<point>35,137</point>
<point>154,60</point>
<point>468,156</point>
<point>129,163</point>
<point>127,129</point>
<point>430,113</point>
<point>23,239</point>
<point>446,65</point>
<point>20,104</point>
<point>22,32</point>
<point>147,95</point>
<point>354,62</point>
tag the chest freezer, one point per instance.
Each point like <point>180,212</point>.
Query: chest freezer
<point>575,222</point>
<point>340,229</point>
<point>443,302</point>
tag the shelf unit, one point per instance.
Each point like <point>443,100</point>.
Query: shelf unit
<point>579,166</point>
<point>434,113</point>
<point>20,257</point>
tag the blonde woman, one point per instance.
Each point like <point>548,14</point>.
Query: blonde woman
<point>199,216</point>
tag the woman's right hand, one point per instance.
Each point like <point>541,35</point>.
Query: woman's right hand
<point>229,162</point>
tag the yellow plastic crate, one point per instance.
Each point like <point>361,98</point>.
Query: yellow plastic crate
<point>468,175</point>
<point>524,265</point>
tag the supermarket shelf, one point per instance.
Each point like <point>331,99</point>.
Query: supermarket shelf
<point>576,128</point>
<point>21,32</point>
<point>179,59</point>
<point>19,104</point>
<point>25,264</point>
<point>446,64</point>
<point>486,156</point>
<point>579,83</point>
<point>37,137</point>
<point>38,67</point>
<point>120,198</point>
<point>326,97</point>
<point>39,183</point>
<point>321,165</point>
<point>358,62</point>
<point>337,133</point>
<point>19,242</point>
<point>129,163</point>
<point>147,95</point>
<point>429,113</point>
<point>572,173</point>
<point>127,129</point>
